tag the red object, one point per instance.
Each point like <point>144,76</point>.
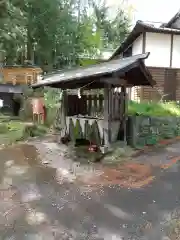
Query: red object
<point>38,109</point>
<point>93,148</point>
<point>38,106</point>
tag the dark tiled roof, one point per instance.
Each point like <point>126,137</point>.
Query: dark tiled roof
<point>172,20</point>
<point>21,66</point>
<point>139,28</point>
<point>83,74</point>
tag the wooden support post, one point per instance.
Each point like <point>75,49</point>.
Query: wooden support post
<point>63,114</point>
<point>107,114</point>
<point>124,113</point>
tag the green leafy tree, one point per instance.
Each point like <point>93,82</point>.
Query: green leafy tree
<point>55,34</point>
<point>113,29</point>
<point>12,32</point>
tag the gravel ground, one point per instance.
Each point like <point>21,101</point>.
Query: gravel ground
<point>40,198</point>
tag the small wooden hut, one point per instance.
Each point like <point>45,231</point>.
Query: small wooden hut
<point>12,81</point>
<point>97,110</point>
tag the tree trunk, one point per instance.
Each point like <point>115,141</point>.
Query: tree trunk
<point>30,50</point>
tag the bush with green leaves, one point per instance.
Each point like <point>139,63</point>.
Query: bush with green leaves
<point>154,109</point>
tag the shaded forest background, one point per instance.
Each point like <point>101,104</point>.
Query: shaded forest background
<point>58,33</point>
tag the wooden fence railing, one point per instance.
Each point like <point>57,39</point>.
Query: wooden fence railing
<point>93,105</point>
<point>87,105</point>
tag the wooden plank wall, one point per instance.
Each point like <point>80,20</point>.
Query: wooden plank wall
<point>149,93</point>
<point>168,82</point>
<point>20,75</point>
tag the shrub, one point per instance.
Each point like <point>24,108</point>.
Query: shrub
<point>50,115</point>
<point>3,128</point>
<point>154,109</point>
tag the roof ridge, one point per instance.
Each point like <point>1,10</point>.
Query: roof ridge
<point>138,29</point>
<point>172,19</point>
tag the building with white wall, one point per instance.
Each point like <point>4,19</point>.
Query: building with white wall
<point>163,43</point>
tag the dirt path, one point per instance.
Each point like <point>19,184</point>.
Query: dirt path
<point>41,198</point>
<point>161,156</point>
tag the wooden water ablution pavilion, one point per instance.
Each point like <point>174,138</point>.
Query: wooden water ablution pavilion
<point>94,99</point>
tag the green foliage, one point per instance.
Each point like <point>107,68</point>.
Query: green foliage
<point>13,131</point>
<point>57,32</point>
<point>52,97</point>
<point>26,113</point>
<point>51,113</point>
<point>37,131</point>
<point>112,29</point>
<point>154,109</point>
<point>3,128</point>
<point>12,29</point>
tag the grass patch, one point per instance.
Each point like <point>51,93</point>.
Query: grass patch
<point>154,109</point>
<point>13,131</point>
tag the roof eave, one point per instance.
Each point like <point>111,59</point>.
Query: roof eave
<point>139,28</point>
<point>130,38</point>
<point>147,74</point>
<point>172,20</point>
<point>120,72</point>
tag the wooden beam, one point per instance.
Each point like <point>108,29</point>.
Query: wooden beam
<point>124,119</point>
<point>143,51</point>
<point>115,81</point>
<point>63,114</point>
<point>171,50</point>
<point>143,70</point>
<point>144,43</point>
<point>107,117</point>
